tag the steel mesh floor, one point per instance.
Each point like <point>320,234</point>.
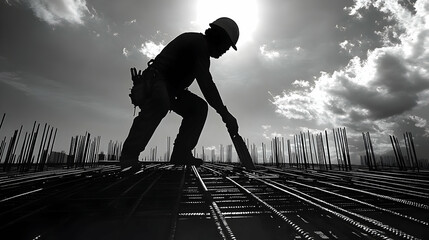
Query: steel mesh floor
<point>214,201</point>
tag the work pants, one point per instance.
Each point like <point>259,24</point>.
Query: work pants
<point>189,106</point>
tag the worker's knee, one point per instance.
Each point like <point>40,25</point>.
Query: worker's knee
<point>155,108</point>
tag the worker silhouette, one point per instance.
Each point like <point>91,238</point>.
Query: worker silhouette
<point>165,85</point>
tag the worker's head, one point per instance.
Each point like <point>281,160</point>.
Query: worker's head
<point>222,34</point>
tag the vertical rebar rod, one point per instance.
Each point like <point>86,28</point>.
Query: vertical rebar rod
<point>91,154</point>
<point>74,152</point>
<point>265,152</point>
<point>273,151</point>
<point>401,157</point>
<point>33,144</point>
<point>366,159</point>
<point>413,150</point>
<point>395,152</point>
<point>304,157</point>
<point>41,142</point>
<point>85,152</point>
<point>284,152</point>
<point>369,156</point>
<point>80,150</point>
<point>318,153</point>
<point>395,141</point>
<point>25,156</point>
<point>2,146</point>
<point>17,141</point>
<point>279,151</point>
<point>76,162</point>
<point>336,148</point>
<point>7,164</point>
<point>338,154</point>
<point>372,151</point>
<point>309,145</point>
<point>2,119</point>
<point>346,142</point>
<point>300,156</point>
<point>296,151</point>
<point>53,141</point>
<point>341,137</point>
<point>327,147</point>
<point>27,148</point>
<point>341,143</point>
<point>316,149</point>
<point>288,152</point>
<point>276,147</point>
<point>322,147</point>
<point>97,152</point>
<point>45,151</point>
<point>21,154</point>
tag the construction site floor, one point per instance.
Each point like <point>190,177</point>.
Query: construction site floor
<point>214,201</point>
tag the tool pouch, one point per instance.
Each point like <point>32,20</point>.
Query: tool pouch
<point>142,85</point>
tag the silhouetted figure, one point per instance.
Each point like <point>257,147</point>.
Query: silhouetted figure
<point>165,85</point>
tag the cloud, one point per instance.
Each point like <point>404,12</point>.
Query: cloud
<point>151,49</point>
<point>419,122</point>
<point>268,133</point>
<point>301,83</point>
<point>125,52</point>
<point>346,45</point>
<point>130,22</point>
<point>370,93</point>
<point>270,54</point>
<point>265,127</point>
<point>295,105</point>
<point>13,80</point>
<point>55,12</point>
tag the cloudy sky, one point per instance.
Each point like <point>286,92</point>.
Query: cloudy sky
<point>301,65</point>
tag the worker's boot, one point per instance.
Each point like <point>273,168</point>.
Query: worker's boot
<point>184,158</point>
<point>129,164</point>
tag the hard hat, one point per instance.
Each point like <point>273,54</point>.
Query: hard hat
<point>230,27</point>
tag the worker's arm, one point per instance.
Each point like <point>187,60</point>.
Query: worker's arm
<point>212,96</point>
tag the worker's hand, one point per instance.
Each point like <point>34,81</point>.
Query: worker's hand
<point>230,121</point>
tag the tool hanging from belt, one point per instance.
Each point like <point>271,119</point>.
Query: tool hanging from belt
<point>142,84</point>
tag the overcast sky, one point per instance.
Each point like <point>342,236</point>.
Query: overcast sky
<point>301,65</point>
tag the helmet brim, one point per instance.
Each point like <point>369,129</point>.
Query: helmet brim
<point>232,43</point>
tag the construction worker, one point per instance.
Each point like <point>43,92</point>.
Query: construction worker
<point>168,77</point>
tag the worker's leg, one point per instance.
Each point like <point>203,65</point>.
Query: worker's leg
<point>144,125</point>
<point>193,109</point>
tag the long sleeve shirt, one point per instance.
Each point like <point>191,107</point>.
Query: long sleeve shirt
<point>185,59</point>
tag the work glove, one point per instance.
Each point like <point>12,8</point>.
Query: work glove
<point>229,120</point>
<point>136,77</point>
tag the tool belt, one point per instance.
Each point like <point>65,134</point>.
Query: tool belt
<point>142,84</point>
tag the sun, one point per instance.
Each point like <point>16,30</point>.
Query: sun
<point>244,12</point>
